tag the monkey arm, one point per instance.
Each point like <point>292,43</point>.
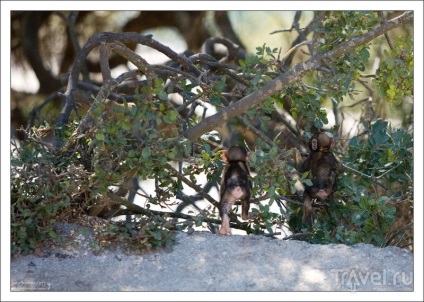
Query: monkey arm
<point>306,165</point>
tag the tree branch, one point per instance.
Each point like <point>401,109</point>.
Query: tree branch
<point>251,100</point>
<point>93,42</point>
<point>372,34</point>
<point>192,185</point>
<point>136,209</point>
<point>294,74</point>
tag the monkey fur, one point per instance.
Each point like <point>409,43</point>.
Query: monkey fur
<point>323,167</point>
<point>235,185</point>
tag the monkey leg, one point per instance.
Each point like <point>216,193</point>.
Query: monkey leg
<point>225,207</point>
<point>225,225</point>
<point>307,209</point>
<point>245,205</point>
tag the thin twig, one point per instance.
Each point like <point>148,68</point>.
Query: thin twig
<point>386,34</point>
<point>359,173</point>
<point>298,235</point>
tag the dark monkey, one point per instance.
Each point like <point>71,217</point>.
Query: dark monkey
<point>324,167</point>
<point>235,185</point>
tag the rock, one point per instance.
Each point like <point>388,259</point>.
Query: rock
<point>203,262</point>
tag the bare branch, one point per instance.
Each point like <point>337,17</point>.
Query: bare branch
<point>95,41</point>
<point>232,48</point>
<point>134,58</point>
<point>104,63</point>
<point>291,50</point>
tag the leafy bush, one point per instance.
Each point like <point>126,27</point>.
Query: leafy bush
<point>43,188</point>
<point>144,137</point>
<point>356,215</point>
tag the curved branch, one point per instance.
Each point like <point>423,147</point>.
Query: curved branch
<point>94,41</point>
<point>232,48</point>
<point>138,61</point>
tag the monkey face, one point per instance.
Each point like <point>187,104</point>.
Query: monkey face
<point>321,142</point>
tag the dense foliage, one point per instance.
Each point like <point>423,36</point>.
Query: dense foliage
<point>142,136</point>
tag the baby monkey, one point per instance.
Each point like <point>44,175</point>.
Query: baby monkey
<point>323,167</point>
<point>235,185</point>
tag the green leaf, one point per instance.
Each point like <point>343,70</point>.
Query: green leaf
<point>146,153</point>
<point>163,95</point>
<point>126,126</point>
<point>100,137</point>
<point>131,153</point>
<point>165,183</point>
<point>171,116</point>
<point>26,212</point>
<point>52,234</point>
<point>252,157</point>
<point>358,217</point>
<point>307,182</point>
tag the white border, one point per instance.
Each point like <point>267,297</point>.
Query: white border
<point>8,6</point>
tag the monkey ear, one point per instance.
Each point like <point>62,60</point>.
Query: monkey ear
<point>314,144</point>
<point>224,156</point>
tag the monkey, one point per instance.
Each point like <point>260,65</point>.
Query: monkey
<point>235,185</point>
<point>324,167</point>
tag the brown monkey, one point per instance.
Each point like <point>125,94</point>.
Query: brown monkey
<point>235,185</point>
<point>324,167</point>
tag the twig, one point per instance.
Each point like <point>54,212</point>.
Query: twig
<point>192,185</point>
<point>291,50</point>
<point>136,209</point>
<point>289,200</point>
<point>298,235</point>
<point>366,99</point>
<point>395,234</point>
<point>272,234</point>
<point>359,173</point>
<point>386,34</point>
